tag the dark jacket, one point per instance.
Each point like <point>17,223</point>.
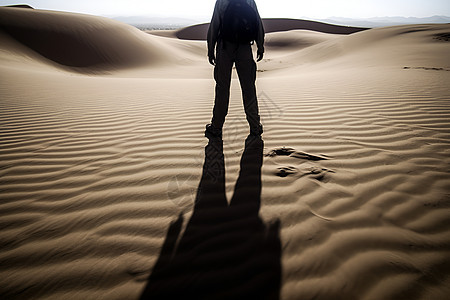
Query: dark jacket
<point>216,21</point>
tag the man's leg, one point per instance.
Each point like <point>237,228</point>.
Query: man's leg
<point>222,75</point>
<point>246,69</point>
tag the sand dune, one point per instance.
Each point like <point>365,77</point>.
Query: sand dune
<point>294,40</point>
<point>198,32</point>
<point>82,42</point>
<point>416,42</point>
<point>21,6</point>
<point>103,158</point>
<point>391,47</point>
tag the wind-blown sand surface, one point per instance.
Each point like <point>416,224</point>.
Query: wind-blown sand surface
<point>103,153</point>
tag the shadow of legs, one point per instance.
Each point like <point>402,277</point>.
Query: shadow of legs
<point>226,251</point>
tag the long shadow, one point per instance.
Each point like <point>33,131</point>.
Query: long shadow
<point>226,251</point>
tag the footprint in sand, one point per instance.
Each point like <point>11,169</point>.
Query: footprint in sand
<point>306,167</point>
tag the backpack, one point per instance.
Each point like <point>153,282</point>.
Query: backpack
<point>239,23</point>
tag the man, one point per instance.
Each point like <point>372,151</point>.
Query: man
<point>234,26</point>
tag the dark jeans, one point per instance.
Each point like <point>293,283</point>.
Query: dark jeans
<point>240,54</point>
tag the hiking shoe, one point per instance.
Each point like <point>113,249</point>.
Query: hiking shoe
<point>256,131</point>
<point>213,132</point>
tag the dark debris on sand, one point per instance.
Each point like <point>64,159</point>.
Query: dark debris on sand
<point>296,154</point>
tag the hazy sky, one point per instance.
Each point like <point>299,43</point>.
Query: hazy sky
<point>267,8</point>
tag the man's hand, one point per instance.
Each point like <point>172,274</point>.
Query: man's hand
<point>259,56</point>
<point>212,59</point>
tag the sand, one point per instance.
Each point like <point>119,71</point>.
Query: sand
<point>103,153</point>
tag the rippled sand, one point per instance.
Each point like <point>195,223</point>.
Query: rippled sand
<point>102,151</point>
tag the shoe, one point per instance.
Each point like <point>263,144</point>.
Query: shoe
<point>213,132</point>
<point>256,131</point>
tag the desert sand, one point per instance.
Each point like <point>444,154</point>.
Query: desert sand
<point>108,191</point>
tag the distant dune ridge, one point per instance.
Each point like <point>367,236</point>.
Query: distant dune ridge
<point>103,158</point>
<point>198,32</point>
<point>20,6</point>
